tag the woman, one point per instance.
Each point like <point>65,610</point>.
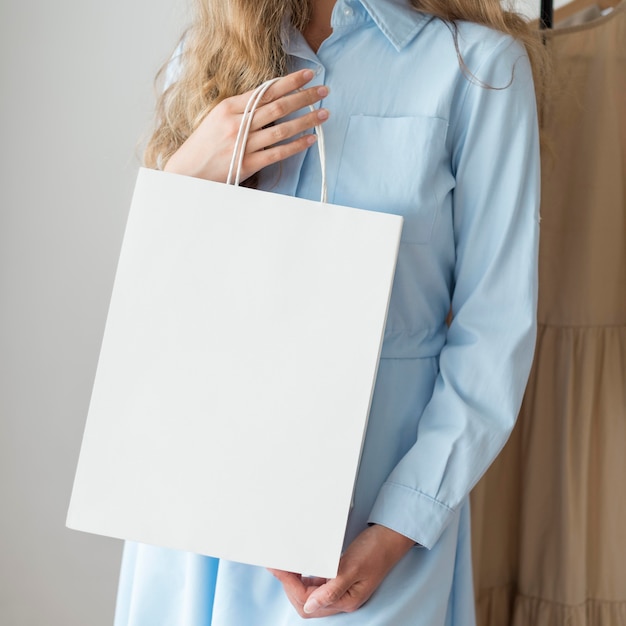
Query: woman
<point>429,112</point>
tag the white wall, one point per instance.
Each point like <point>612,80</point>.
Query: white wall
<point>531,8</point>
<point>76,95</point>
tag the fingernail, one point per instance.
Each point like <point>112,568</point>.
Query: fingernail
<point>322,114</point>
<point>307,74</point>
<point>311,139</point>
<point>311,605</point>
<point>323,91</point>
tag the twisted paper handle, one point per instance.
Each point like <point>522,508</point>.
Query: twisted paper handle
<point>244,131</point>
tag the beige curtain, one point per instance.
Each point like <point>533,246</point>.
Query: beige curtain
<point>549,518</point>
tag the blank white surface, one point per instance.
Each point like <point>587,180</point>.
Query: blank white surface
<point>236,373</point>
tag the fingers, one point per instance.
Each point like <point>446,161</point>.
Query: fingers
<point>265,137</point>
<point>287,84</point>
<point>312,596</point>
<point>278,108</point>
<point>281,99</point>
<point>280,88</point>
<point>293,585</point>
<point>313,581</point>
<point>283,576</point>
<point>256,161</point>
<point>327,594</point>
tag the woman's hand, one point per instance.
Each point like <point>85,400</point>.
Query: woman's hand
<point>208,150</point>
<point>362,568</point>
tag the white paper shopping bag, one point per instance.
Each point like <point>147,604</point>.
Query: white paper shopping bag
<point>236,373</point>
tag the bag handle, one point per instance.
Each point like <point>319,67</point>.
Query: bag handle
<point>244,131</point>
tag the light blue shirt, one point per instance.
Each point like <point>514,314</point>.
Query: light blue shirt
<point>457,154</point>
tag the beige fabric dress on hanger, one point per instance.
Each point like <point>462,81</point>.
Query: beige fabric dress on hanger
<point>549,517</point>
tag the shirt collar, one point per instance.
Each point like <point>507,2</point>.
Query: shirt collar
<point>398,20</point>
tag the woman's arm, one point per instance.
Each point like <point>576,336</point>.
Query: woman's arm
<point>485,362</point>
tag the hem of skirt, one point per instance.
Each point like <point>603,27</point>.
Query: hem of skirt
<point>504,605</point>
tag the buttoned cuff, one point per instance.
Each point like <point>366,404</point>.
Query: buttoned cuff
<point>411,513</point>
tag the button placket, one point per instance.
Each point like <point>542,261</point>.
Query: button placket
<point>344,13</point>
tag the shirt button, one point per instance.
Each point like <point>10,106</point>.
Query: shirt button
<point>348,11</point>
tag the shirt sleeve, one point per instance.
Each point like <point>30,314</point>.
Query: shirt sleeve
<point>484,365</point>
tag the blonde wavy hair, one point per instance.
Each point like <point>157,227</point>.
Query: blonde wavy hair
<point>234,45</point>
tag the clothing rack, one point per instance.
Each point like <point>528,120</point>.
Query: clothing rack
<point>546,19</point>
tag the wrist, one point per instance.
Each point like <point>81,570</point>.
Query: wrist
<point>396,544</point>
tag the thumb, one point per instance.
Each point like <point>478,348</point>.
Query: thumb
<point>327,594</point>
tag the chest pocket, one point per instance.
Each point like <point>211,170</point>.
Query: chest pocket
<point>396,165</point>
